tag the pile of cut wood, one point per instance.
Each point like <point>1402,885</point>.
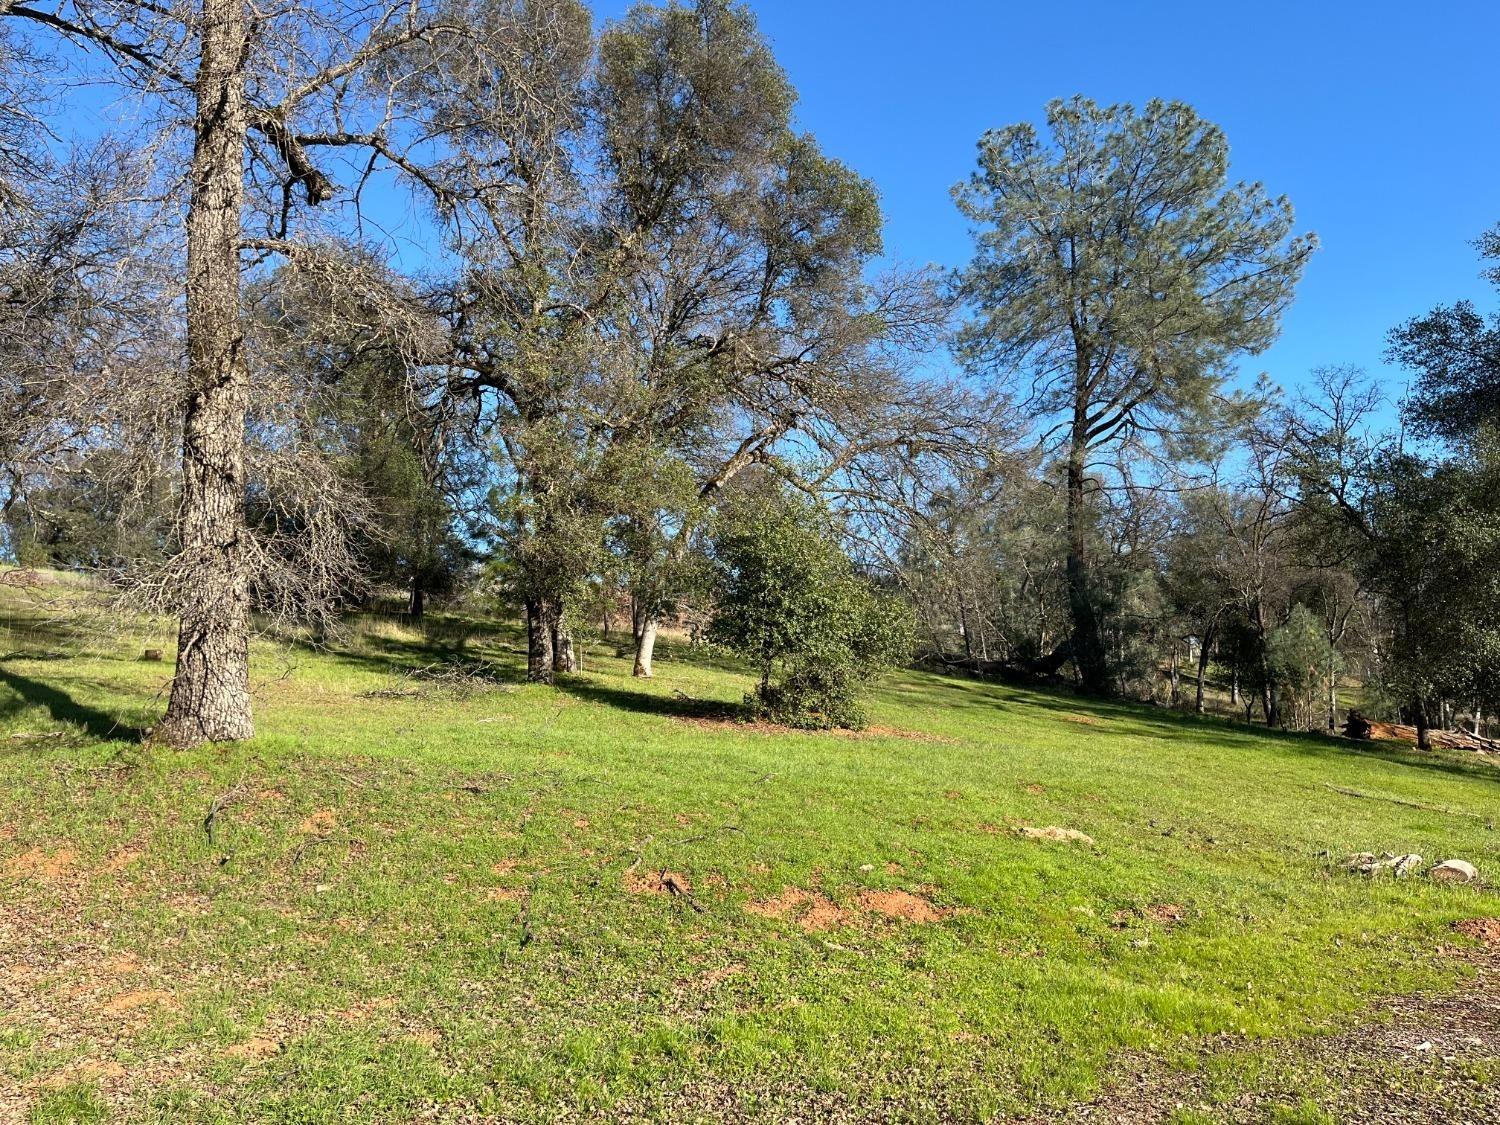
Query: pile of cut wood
<point>1449,739</point>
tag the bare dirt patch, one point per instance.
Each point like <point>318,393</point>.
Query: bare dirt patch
<point>320,823</point>
<point>812,910</point>
<point>42,864</point>
<point>105,1070</point>
<point>1081,720</point>
<point>904,906</point>
<point>1486,930</point>
<point>137,998</point>
<point>256,1048</point>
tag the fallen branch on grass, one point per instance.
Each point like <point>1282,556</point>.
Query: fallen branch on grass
<point>1402,801</point>
<point>219,804</point>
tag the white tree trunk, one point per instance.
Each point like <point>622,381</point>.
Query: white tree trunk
<point>645,645</point>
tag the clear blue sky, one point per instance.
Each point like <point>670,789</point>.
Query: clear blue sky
<point>1379,119</point>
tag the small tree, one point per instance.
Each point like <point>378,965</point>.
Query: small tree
<point>1302,660</point>
<point>789,599</point>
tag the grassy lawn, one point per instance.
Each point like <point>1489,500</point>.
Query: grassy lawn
<point>418,898</point>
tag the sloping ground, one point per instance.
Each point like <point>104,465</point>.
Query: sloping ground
<point>1427,1057</point>
<point>421,896</point>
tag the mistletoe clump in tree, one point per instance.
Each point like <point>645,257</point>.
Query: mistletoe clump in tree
<point>789,599</point>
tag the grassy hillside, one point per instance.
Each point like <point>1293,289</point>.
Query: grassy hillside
<point>450,897</point>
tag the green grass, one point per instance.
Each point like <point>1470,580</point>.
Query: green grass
<point>419,902</point>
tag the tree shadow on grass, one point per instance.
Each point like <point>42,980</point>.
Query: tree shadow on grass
<point>65,709</point>
<point>1119,717</point>
<point>647,703</point>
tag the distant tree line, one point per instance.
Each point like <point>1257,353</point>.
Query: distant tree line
<point>648,360</point>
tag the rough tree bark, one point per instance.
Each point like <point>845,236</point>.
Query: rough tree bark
<point>541,619</point>
<point>210,699</point>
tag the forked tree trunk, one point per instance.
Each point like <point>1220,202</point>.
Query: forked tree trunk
<point>541,617</point>
<point>1175,674</point>
<point>210,699</point>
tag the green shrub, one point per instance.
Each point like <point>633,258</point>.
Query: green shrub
<point>788,598</point>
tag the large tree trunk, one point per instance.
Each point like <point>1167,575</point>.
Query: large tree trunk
<point>1088,644</point>
<point>541,618</point>
<point>643,629</point>
<point>210,700</point>
<point>418,602</point>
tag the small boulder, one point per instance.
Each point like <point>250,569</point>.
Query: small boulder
<point>1454,871</point>
<point>1367,863</point>
<point>152,655</point>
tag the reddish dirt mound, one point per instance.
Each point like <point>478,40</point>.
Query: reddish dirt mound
<point>903,906</point>
<point>1166,913</point>
<point>1486,930</point>
<point>808,909</point>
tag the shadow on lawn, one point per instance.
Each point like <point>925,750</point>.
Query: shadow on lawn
<point>1142,720</point>
<point>647,703</point>
<point>65,709</point>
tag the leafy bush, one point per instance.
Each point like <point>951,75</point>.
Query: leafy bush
<point>788,598</point>
<point>1301,661</point>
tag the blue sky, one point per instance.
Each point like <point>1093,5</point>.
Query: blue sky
<point>1380,120</point>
